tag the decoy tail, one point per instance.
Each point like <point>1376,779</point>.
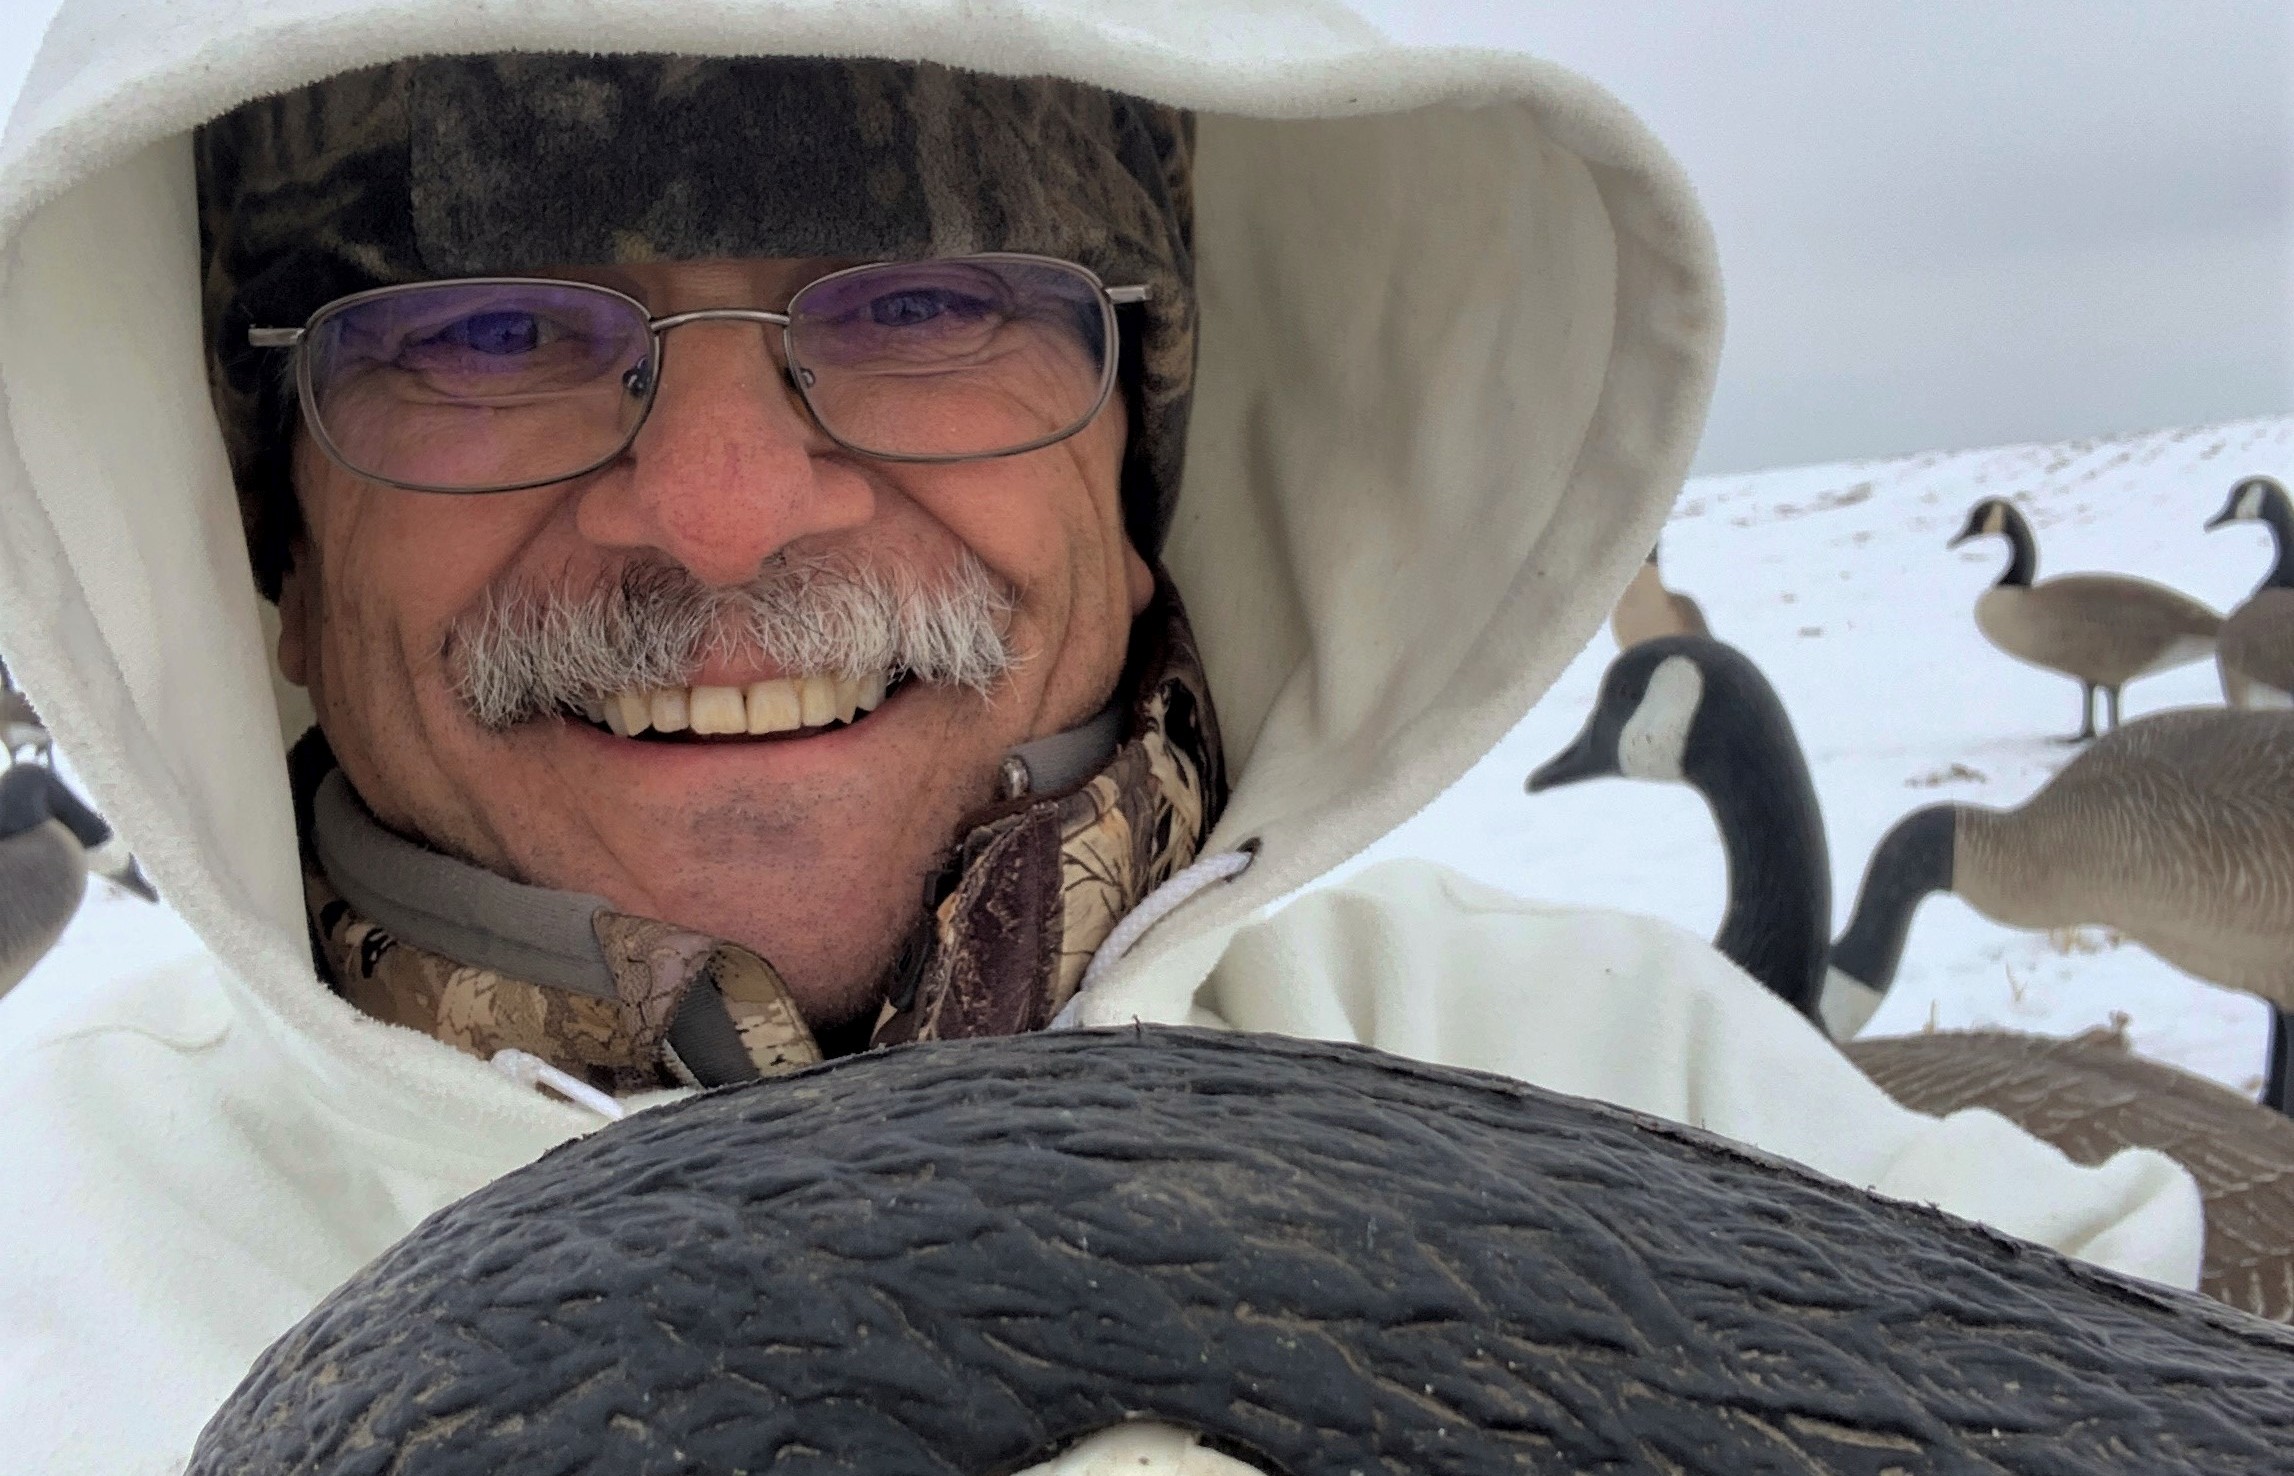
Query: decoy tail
<point>127,876</point>
<point>1646,610</point>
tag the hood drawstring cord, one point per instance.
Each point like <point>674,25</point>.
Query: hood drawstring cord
<point>1159,904</point>
<point>531,1071</point>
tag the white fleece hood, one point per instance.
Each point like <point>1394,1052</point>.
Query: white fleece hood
<point>1459,318</point>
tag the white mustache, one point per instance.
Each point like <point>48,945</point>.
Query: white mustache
<point>526,654</point>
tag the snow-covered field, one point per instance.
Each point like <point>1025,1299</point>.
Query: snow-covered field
<point>1836,580</point>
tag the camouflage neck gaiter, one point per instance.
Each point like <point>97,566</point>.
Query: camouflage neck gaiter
<point>1029,891</point>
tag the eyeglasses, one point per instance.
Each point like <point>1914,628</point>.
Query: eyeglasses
<point>493,384</point>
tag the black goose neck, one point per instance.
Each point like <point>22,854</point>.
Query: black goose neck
<point>2279,514</point>
<point>2023,550</point>
<point>1744,758</point>
<point>23,800</point>
<point>1912,860</point>
<point>31,795</point>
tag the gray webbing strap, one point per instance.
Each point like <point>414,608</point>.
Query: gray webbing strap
<point>452,908</point>
<point>705,1039</point>
<point>1065,760</point>
<point>470,915</point>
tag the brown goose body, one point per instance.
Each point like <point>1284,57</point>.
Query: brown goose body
<point>2256,651</point>
<point>1647,610</point>
<point>2177,830</point>
<point>2106,629</point>
<point>2101,630</point>
<point>2255,654</point>
<point>2090,1097</point>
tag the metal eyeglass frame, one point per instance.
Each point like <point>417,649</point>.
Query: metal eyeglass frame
<point>1110,298</point>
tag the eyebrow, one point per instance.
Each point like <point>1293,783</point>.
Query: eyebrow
<point>621,276</point>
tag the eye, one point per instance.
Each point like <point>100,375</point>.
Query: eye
<point>910,306</point>
<point>497,333</point>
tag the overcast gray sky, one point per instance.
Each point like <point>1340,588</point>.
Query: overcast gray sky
<point>1952,223</point>
<point>1944,223</point>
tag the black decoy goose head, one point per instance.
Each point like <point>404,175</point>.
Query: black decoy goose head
<point>1992,515</point>
<point>1640,725</point>
<point>1996,515</point>
<point>2263,500</point>
<point>2255,500</point>
<point>1691,710</point>
<point>31,795</point>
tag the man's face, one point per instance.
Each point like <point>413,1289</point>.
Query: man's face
<point>810,847</point>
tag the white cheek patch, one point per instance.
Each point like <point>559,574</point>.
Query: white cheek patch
<point>1653,739</point>
<point>2250,503</point>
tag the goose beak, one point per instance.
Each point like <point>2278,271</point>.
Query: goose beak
<point>1962,536</point>
<point>1579,761</point>
<point>2218,520</point>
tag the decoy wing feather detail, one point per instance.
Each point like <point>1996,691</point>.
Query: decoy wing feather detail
<point>2091,1097</point>
<point>2178,830</point>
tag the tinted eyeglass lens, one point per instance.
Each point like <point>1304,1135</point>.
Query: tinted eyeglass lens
<point>467,386</point>
<point>955,358</point>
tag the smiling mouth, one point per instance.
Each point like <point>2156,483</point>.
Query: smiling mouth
<point>785,707</point>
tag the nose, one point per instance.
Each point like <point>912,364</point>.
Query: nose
<point>729,467</point>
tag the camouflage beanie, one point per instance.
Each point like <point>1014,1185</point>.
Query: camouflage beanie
<point>469,166</point>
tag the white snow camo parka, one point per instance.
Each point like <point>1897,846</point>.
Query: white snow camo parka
<point>1459,322</point>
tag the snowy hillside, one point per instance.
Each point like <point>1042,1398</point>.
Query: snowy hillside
<point>1835,579</point>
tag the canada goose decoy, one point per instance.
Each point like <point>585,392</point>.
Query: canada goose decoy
<point>2177,830</point>
<point>2102,630</point>
<point>2090,1096</point>
<point>49,842</point>
<point>1648,610</point>
<point>2255,652</point>
<point>1690,710</point>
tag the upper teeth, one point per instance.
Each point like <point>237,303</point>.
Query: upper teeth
<point>778,706</point>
